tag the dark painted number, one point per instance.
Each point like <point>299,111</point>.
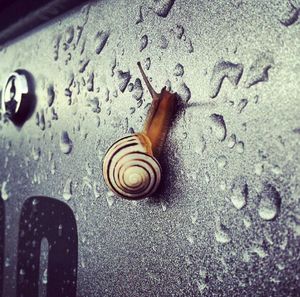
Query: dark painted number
<point>2,227</point>
<point>46,218</point>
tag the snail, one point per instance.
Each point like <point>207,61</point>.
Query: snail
<point>130,166</point>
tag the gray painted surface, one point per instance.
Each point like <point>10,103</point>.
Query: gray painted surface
<point>226,221</point>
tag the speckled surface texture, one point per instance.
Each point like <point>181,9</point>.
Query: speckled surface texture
<point>226,221</point>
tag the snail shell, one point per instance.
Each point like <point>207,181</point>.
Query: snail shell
<point>129,168</point>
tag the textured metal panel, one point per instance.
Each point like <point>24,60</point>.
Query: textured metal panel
<point>226,221</point>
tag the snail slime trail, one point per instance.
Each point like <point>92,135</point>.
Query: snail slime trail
<point>130,166</point>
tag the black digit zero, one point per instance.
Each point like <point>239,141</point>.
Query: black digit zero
<point>44,217</point>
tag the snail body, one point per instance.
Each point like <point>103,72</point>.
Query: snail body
<point>130,166</point>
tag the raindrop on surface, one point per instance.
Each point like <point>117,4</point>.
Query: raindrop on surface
<point>52,167</point>
<point>147,63</point>
<point>162,7</point>
<point>221,161</point>
<point>232,141</point>
<point>184,92</point>
<point>247,221</point>
<point>42,123</point>
<point>90,83</point>
<point>258,168</point>
<point>222,234</point>
<point>4,193</point>
<point>218,126</point>
<point>242,104</point>
<point>130,87</point>
<point>239,193</point>
<point>22,271</point>
<point>45,277</point>
<point>259,70</point>
<point>51,95</point>
<point>164,42</point>
<point>240,146</point>
<point>224,69</point>
<point>124,78</point>
<point>96,190</point>
<point>179,70</point>
<point>7,262</point>
<point>179,31</point>
<point>138,90</point>
<point>101,40</point>
<point>270,202</point>
<point>69,34</point>
<point>36,153</point>
<point>83,65</point>
<point>67,192</point>
<point>35,202</point>
<point>60,230</point>
<point>66,143</point>
<point>144,42</point>
<point>110,198</point>
<point>194,217</point>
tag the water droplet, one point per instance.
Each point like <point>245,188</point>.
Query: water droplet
<point>258,71</point>
<point>207,177</point>
<point>124,78</point>
<point>218,126</point>
<point>259,251</point>
<point>190,238</point>
<point>35,202</point>
<point>163,42</point>
<point>291,16</point>
<point>67,191</point>
<point>66,143</point>
<point>42,123</point>
<point>56,47</point>
<point>162,7</point>
<point>7,262</point>
<point>269,204</point>
<point>4,192</point>
<point>240,146</point>
<point>258,168</point>
<point>224,69</point>
<point>232,141</point>
<point>221,161</point>
<point>51,95</point>
<point>242,104</point>
<point>144,42</point>
<point>101,40</point>
<point>83,65</point>
<point>222,234</point>
<point>138,90</point>
<point>45,277</point>
<point>94,103</point>
<point>247,221</point>
<point>184,92</point>
<point>36,153</point>
<point>110,198</point>
<point>22,271</point>
<point>179,70</point>
<point>194,217</point>
<point>90,83</point>
<point>60,229</point>
<point>179,31</point>
<point>239,193</point>
<point>96,190</point>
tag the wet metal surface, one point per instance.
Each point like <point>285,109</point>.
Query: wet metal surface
<point>226,220</point>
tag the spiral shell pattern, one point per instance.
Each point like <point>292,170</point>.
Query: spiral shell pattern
<point>129,170</point>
